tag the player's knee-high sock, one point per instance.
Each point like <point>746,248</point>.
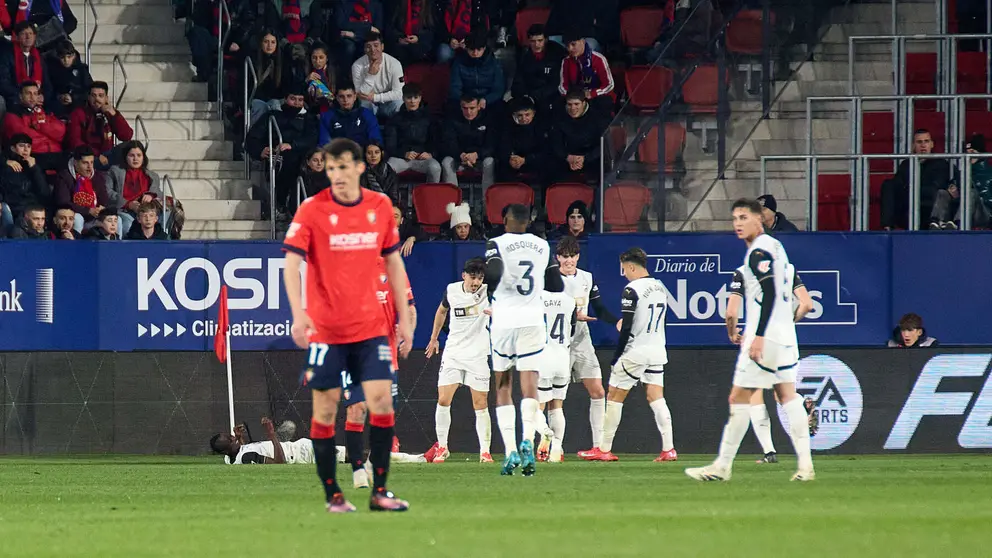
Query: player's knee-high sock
<point>484,429</point>
<point>799,431</point>
<point>541,424</point>
<point>663,419</point>
<point>442,424</point>
<point>529,409</point>
<point>380,444</point>
<point>597,411</point>
<point>353,434</point>
<point>733,433</point>
<point>614,411</point>
<point>556,419</point>
<point>506,419</point>
<point>325,455</point>
<point>762,425</point>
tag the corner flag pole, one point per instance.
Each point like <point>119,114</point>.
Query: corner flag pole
<point>230,379</point>
<point>222,349</point>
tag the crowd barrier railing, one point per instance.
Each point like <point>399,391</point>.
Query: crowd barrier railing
<point>274,133</point>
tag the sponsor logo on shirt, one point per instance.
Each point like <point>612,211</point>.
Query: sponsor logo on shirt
<point>355,241</point>
<point>334,219</point>
<point>371,216</point>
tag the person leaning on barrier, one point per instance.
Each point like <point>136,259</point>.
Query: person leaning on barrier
<point>933,175</point>
<point>946,213</point>
<point>910,333</point>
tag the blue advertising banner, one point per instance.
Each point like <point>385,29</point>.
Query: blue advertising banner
<point>121,296</point>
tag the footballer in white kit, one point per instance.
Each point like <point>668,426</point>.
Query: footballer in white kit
<point>554,373</point>
<point>465,360</point>
<point>640,356</point>
<point>769,349</point>
<point>519,268</point>
<point>584,364</point>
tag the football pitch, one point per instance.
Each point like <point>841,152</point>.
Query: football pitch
<point>176,506</point>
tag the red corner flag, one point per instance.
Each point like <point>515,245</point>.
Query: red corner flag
<point>220,338</point>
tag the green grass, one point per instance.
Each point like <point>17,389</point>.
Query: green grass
<point>163,506</point>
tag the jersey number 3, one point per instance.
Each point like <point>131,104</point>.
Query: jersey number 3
<point>527,276</point>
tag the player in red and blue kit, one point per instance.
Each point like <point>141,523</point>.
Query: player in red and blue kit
<point>342,232</point>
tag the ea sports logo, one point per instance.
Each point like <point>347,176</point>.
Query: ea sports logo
<point>837,393</point>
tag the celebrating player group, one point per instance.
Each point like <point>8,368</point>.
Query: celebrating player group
<point>523,309</point>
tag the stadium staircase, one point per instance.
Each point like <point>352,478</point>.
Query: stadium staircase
<point>705,201</point>
<point>185,132</point>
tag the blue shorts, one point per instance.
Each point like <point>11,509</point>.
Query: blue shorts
<point>365,361</point>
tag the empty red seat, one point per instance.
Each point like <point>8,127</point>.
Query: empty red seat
<point>430,203</point>
<point>701,90</point>
<point>561,195</point>
<point>528,17</point>
<point>617,140</point>
<point>875,200</point>
<point>977,122</point>
<point>878,137</point>
<point>502,194</point>
<point>744,33</point>
<point>973,70</point>
<point>921,76</point>
<point>647,150</point>
<point>624,204</point>
<point>933,122</point>
<point>640,26</point>
<point>648,86</point>
<point>833,209</point>
<point>434,80</point>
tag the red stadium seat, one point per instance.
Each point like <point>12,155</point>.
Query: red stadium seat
<point>972,73</point>
<point>617,138</point>
<point>430,203</point>
<point>528,17</point>
<point>878,137</point>
<point>640,26</point>
<point>978,122</point>
<point>834,209</point>
<point>434,80</point>
<point>561,195</point>
<point>502,194</point>
<point>935,123</point>
<point>624,204</point>
<point>921,72</point>
<point>744,34</point>
<point>647,150</point>
<point>875,200</point>
<point>701,90</point>
<point>648,86</point>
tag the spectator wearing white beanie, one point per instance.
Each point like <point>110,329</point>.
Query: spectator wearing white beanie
<point>461,221</point>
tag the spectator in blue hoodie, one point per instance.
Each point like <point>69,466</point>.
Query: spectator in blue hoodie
<point>477,73</point>
<point>349,120</point>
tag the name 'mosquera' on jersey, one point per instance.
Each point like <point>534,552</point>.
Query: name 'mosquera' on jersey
<point>646,299</point>
<point>766,260</point>
<point>516,301</point>
<point>468,336</point>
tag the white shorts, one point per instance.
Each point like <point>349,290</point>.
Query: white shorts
<point>519,348</point>
<point>552,383</point>
<point>779,364</point>
<point>477,378</point>
<point>626,374</point>
<point>585,365</point>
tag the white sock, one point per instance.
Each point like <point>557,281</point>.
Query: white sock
<point>611,422</point>
<point>597,411</point>
<point>442,424</point>
<point>799,431</point>
<point>762,425</point>
<point>556,418</point>
<point>541,425</point>
<point>506,419</point>
<point>733,433</point>
<point>483,429</point>
<point>529,409</point>
<point>663,420</point>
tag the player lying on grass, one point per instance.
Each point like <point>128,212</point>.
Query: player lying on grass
<point>238,449</point>
<point>465,360</point>
<point>761,423</point>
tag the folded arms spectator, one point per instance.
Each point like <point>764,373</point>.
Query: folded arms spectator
<point>31,226</point>
<point>70,79</point>
<point>378,176</point>
<point>771,218</point>
<point>909,333</point>
<point>539,71</point>
<point>133,184</point>
<point>410,136</point>
<point>378,78</point>
<point>933,175</point>
<point>97,123</point>
<point>410,33</point>
<point>22,182</point>
<point>21,62</point>
<point>523,148</point>
<point>467,143</point>
<point>81,187</point>
<point>46,131</point>
<point>147,227</point>
<point>588,70</point>
<point>476,73</point>
<point>349,120</point>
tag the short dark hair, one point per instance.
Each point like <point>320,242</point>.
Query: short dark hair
<point>65,48</point>
<point>636,256</point>
<point>33,207</point>
<point>25,84</point>
<point>340,146</point>
<point>20,138</point>
<point>535,30</point>
<point>83,151</point>
<point>126,148</point>
<point>100,85</point>
<point>919,131</point>
<point>372,36</point>
<point>476,40</point>
<point>106,213</point>
<point>412,90</point>
<point>24,25</point>
<point>346,84</point>
<point>754,206</point>
<point>518,212</point>
<point>475,266</point>
<point>910,321</point>
<point>567,246</point>
<point>63,207</point>
<point>213,444</point>
<point>575,93</point>
<point>467,98</point>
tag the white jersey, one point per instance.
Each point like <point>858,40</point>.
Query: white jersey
<point>516,302</point>
<point>300,451</point>
<point>559,312</point>
<point>766,260</point>
<point>645,301</point>
<point>468,336</point>
<point>582,289</point>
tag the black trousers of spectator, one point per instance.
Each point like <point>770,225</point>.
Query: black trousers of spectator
<point>412,54</point>
<point>895,206</point>
<point>286,176</point>
<point>51,161</point>
<point>203,49</point>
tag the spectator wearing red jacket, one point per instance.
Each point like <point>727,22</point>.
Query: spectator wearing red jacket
<point>82,188</point>
<point>45,130</point>
<point>96,123</point>
<point>586,69</point>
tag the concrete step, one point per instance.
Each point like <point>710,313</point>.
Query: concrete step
<point>211,189</point>
<point>797,128</point>
<point>225,230</point>
<point>191,150</point>
<point>201,129</point>
<point>795,146</point>
<point>177,51</point>
<point>223,210</point>
<point>164,33</point>
<point>179,169</point>
<point>136,58</point>
<point>840,33</point>
<point>166,110</point>
<point>145,71</point>
<point>823,88</point>
<point>837,71</point>
<point>115,14</point>
<point>168,91</point>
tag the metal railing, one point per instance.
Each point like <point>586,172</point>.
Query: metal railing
<point>89,9</point>
<point>169,191</point>
<point>273,128</point>
<point>301,191</point>
<point>222,36</point>
<point>249,97</point>
<point>116,63</point>
<point>860,194</point>
<point>141,130</point>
